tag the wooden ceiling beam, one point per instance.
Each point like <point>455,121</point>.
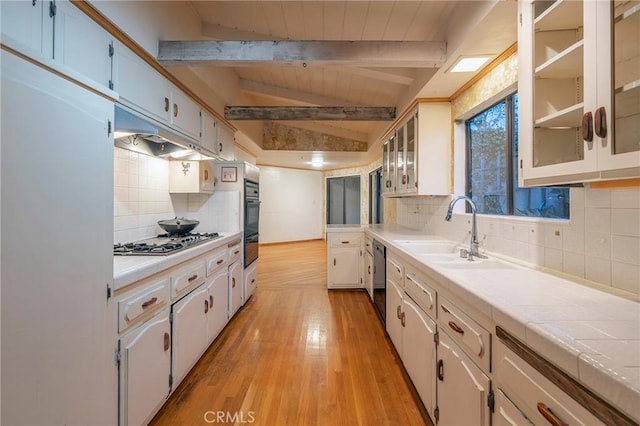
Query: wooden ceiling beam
<point>395,54</point>
<point>289,95</point>
<point>336,113</point>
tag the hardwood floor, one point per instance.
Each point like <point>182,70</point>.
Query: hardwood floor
<point>297,354</point>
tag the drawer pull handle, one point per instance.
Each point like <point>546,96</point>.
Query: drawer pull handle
<point>345,242</point>
<point>440,371</point>
<point>334,261</point>
<point>149,302</point>
<point>402,319</point>
<point>550,416</point>
<point>398,312</point>
<point>369,270</point>
<point>219,261</point>
<point>206,306</point>
<point>192,278</point>
<point>455,327</point>
<point>166,104</point>
<point>175,110</point>
<point>253,281</point>
<point>210,302</point>
<point>167,341</point>
<point>233,283</point>
<point>587,129</point>
<point>236,252</point>
<point>600,123</point>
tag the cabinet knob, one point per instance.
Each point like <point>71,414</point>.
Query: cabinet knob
<point>166,104</point>
<point>600,123</point>
<point>175,110</point>
<point>167,341</point>
<point>233,283</point>
<point>206,306</point>
<point>440,370</point>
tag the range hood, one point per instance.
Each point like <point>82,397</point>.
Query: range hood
<point>136,133</point>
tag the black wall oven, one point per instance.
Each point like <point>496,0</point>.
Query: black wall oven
<point>251,220</point>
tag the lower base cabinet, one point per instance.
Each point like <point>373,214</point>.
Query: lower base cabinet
<point>189,329</point>
<point>344,260</point>
<point>145,368</point>
<point>250,280</point>
<point>463,389</point>
<point>235,287</point>
<point>218,301</point>
<point>507,414</point>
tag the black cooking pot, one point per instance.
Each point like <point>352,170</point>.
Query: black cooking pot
<point>178,225</point>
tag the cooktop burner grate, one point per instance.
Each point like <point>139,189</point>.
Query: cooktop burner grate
<point>163,244</point>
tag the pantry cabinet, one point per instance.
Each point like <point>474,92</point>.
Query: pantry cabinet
<point>579,91</point>
<point>416,153</point>
<point>344,260</point>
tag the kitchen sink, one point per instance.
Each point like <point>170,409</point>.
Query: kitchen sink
<point>428,247</point>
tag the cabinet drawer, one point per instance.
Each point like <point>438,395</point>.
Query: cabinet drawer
<point>142,304</point>
<point>421,293</point>
<point>395,271</point>
<point>184,279</point>
<point>368,244</point>
<point>532,393</point>
<point>217,260</point>
<point>346,239</point>
<point>234,252</point>
<point>472,338</point>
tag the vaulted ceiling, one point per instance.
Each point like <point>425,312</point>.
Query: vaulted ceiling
<point>306,78</point>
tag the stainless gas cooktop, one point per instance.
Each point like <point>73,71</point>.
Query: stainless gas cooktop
<point>163,244</point>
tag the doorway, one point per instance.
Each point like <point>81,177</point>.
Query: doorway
<point>375,196</point>
<point>343,200</point>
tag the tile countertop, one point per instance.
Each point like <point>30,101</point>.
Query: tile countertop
<point>592,335</point>
<point>129,269</point>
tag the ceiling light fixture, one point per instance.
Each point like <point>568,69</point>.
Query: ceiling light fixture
<point>469,63</point>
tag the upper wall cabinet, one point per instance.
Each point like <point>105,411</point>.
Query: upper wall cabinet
<point>226,142</point>
<point>579,91</point>
<point>59,31</point>
<point>146,90</point>
<point>416,154</point>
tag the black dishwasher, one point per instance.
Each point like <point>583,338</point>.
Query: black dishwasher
<point>379,279</point>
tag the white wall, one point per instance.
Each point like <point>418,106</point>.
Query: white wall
<point>291,208</point>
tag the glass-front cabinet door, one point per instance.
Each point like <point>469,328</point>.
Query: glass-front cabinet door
<point>620,137</point>
<point>389,165</point>
<point>578,88</point>
<point>410,157</point>
<point>401,164</point>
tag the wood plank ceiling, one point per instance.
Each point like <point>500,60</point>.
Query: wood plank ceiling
<point>296,84</point>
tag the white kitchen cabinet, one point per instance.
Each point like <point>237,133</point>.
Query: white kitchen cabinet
<point>191,177</point>
<point>209,134</point>
<point>226,143</point>
<point>416,154</point>
<point>463,389</point>
<point>189,331</point>
<point>250,280</point>
<point>217,304</point>
<point>368,273</point>
<point>57,249</point>
<point>235,287</point>
<point>145,368</point>
<point>344,260</point>
<point>419,351</point>
<point>579,91</point>
<point>27,27</point>
<point>534,395</point>
<point>394,302</point>
<point>185,113</point>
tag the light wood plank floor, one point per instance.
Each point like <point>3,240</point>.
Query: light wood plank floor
<point>297,354</point>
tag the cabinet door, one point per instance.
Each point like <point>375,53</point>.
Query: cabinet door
<point>27,27</point>
<point>41,290</point>
<point>410,153</point>
<point>189,331</point>
<point>144,370</point>
<point>419,351</point>
<point>235,288</point>
<point>185,113</point>
<point>368,273</point>
<point>507,414</point>
<point>344,267</point>
<point>401,162</point>
<point>218,300</point>
<point>463,388</point>
<point>619,84</point>
<point>394,314</point>
<point>81,44</point>
<point>250,280</point>
<point>140,86</point>
<point>225,143</point>
<point>209,138</point>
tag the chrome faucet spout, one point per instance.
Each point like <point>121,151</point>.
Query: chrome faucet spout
<point>474,244</point>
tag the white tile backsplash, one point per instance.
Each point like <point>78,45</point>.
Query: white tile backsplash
<point>600,242</point>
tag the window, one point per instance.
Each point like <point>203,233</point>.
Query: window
<point>492,168</point>
<point>343,200</point>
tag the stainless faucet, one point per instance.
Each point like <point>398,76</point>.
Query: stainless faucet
<point>474,244</point>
